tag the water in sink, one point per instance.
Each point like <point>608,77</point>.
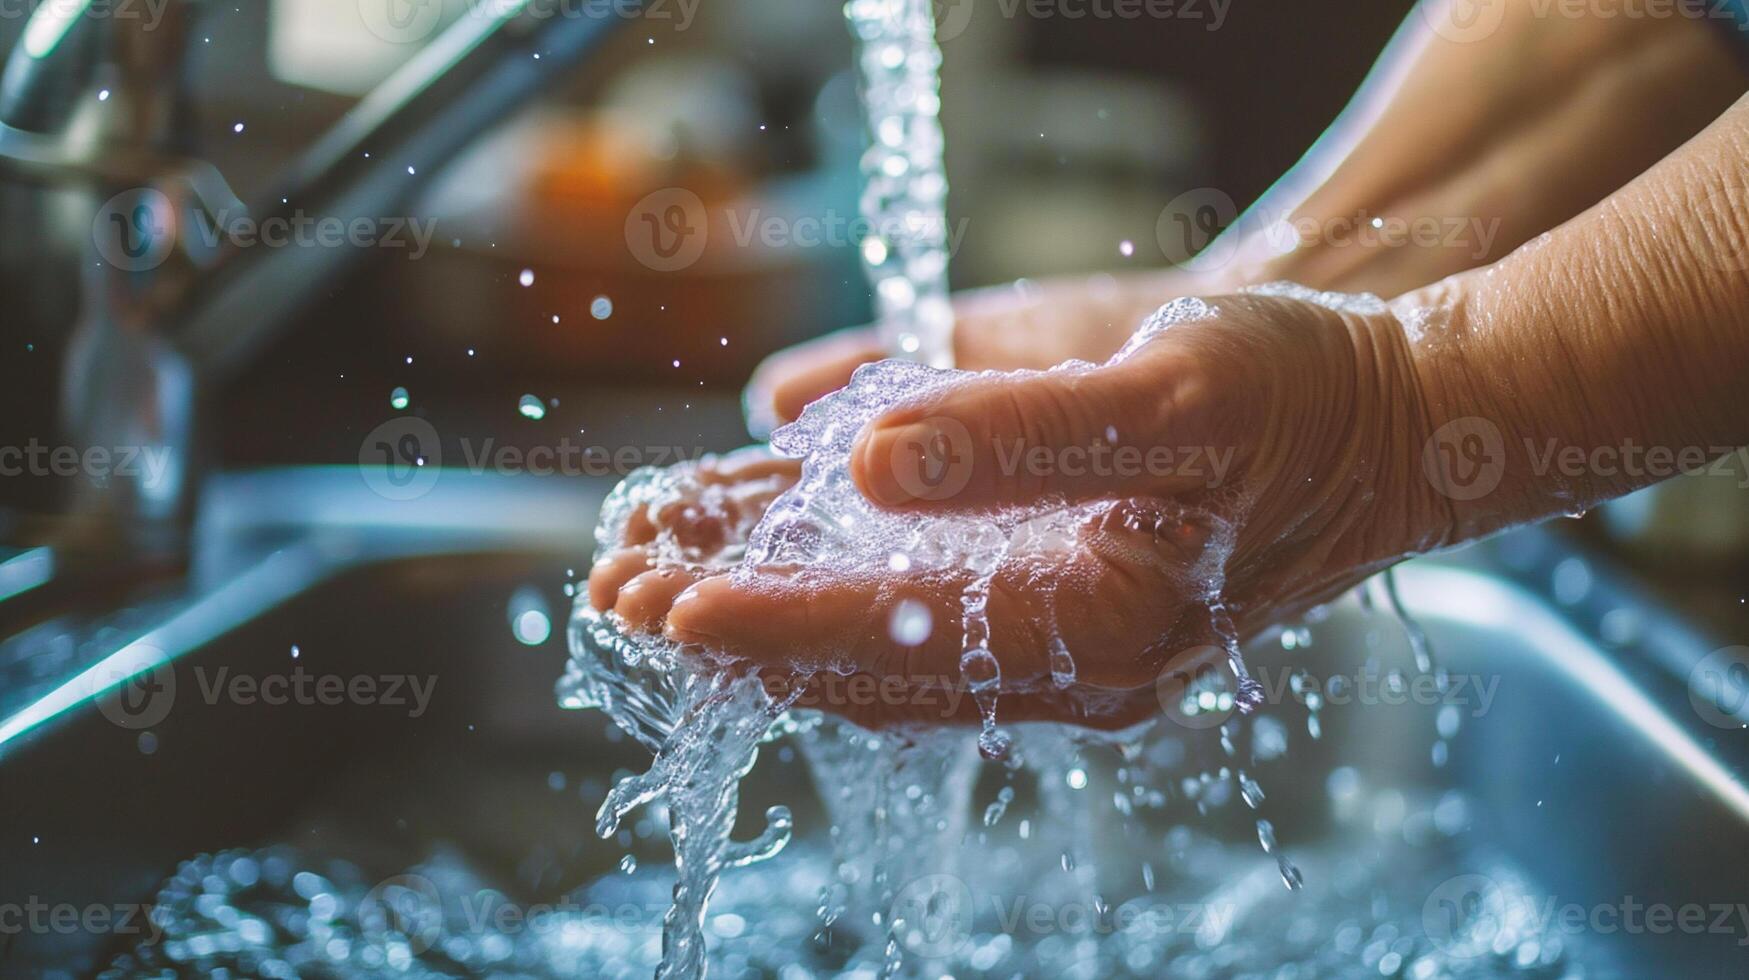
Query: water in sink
<point>1373,905</point>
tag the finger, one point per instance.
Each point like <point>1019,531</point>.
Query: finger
<point>750,463</point>
<point>787,381</point>
<point>1119,606</point>
<point>910,628</point>
<point>643,602</point>
<point>1080,433</point>
<point>612,572</point>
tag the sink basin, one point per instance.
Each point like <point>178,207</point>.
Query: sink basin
<point>1577,773</point>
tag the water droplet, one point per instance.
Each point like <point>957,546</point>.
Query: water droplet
<point>601,307</point>
<point>531,408</point>
<point>527,277</point>
<point>910,623</point>
<point>1250,791</point>
<point>1291,876</point>
<point>1062,663</point>
<point>628,864</point>
<point>399,399</point>
<point>994,812</point>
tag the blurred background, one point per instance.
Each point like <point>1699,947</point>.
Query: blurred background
<point>1066,137</point>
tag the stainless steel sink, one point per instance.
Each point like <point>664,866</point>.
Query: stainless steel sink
<point>1590,774</point>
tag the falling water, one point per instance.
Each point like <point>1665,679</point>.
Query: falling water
<point>904,197</point>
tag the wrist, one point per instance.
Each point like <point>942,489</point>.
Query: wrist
<point>1471,449</point>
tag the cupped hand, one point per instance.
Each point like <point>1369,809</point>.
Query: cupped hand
<point>1002,328</point>
<point>1296,423</point>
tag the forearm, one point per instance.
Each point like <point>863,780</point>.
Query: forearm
<point>1609,353</point>
<point>1464,151</point>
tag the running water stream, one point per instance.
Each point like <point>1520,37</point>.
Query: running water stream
<point>705,728</point>
<point>904,197</point>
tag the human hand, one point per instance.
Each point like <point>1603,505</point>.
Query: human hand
<point>1316,414</point>
<point>698,529</point>
<point>1003,328</point>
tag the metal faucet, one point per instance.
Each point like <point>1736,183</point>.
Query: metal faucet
<point>98,107</point>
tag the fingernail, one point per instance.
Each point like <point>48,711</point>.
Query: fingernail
<point>684,614</point>
<point>876,459</point>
